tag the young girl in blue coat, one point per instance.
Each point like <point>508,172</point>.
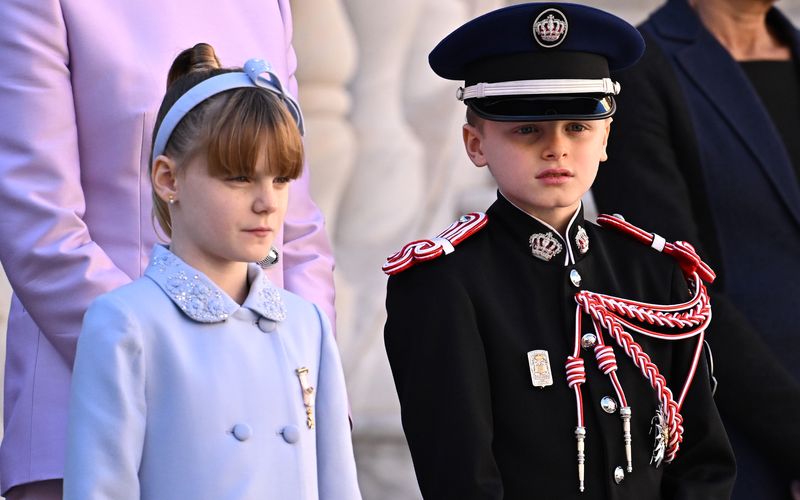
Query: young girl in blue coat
<point>201,379</point>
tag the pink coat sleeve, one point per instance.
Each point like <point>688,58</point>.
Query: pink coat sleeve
<point>307,255</point>
<point>46,248</point>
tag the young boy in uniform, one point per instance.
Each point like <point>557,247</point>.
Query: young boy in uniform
<point>536,354</point>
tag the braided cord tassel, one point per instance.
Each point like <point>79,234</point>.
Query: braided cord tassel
<point>576,375</point>
<point>609,314</point>
<point>607,362</point>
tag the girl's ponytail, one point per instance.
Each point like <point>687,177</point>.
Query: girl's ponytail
<point>201,57</point>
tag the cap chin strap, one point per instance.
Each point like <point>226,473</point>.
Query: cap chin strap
<point>534,87</point>
<point>257,73</point>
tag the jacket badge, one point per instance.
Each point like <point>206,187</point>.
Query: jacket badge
<point>539,364</point>
<point>544,246</point>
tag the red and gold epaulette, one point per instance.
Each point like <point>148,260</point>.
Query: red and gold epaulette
<point>681,251</point>
<point>442,244</point>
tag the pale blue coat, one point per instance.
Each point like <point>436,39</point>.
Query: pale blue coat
<point>180,393</point>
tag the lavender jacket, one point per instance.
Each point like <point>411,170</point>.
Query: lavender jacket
<point>80,84</point>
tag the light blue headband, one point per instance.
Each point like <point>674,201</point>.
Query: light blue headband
<point>256,73</point>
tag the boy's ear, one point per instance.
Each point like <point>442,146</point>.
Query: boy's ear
<point>472,143</point>
<point>164,178</point>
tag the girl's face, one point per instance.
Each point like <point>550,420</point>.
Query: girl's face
<point>219,221</point>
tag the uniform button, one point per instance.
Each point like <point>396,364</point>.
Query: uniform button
<point>575,277</point>
<point>608,404</point>
<point>588,340</point>
<point>290,434</point>
<point>619,475</point>
<point>242,432</point>
<point>266,325</point>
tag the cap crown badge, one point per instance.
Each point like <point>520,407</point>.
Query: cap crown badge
<point>550,28</point>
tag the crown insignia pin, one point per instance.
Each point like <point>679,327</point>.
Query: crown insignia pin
<point>582,240</point>
<point>544,246</point>
<point>550,28</point>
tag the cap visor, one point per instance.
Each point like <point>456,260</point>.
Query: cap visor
<point>543,108</point>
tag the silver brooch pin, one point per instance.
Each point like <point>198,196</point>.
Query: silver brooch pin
<point>544,246</point>
<point>582,240</point>
<point>550,28</point>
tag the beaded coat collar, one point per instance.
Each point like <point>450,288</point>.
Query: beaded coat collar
<point>203,301</point>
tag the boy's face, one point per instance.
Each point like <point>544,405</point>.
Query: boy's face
<point>543,168</point>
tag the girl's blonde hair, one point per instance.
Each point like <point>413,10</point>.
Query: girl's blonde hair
<point>233,129</point>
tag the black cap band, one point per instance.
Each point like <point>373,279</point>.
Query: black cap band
<point>537,66</point>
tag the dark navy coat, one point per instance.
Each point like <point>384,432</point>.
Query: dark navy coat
<point>695,155</point>
<point>457,334</point>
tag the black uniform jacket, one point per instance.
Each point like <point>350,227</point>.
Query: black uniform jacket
<point>457,334</point>
<point>694,154</point>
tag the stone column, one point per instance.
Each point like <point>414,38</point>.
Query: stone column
<point>327,55</point>
<point>407,124</point>
<point>453,185</point>
<point>381,204</point>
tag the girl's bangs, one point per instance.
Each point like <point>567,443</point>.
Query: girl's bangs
<point>254,126</point>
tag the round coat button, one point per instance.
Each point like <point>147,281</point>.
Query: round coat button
<point>291,434</point>
<point>619,475</point>
<point>588,340</point>
<point>575,277</point>
<point>266,325</point>
<point>242,432</point>
<point>608,404</point>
